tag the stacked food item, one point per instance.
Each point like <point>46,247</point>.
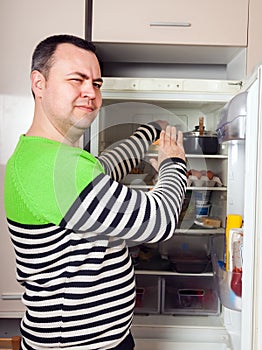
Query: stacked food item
<point>200,198</point>
<point>202,178</point>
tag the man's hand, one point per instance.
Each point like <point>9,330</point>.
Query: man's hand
<point>170,145</point>
<point>162,123</point>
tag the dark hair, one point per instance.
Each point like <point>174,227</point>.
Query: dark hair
<point>43,55</point>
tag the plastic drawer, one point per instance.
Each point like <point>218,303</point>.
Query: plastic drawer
<point>187,295</point>
<point>148,289</point>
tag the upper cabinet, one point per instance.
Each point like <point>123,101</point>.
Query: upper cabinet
<point>187,22</point>
<point>168,31</point>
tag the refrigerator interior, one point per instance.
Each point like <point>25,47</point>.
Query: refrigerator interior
<point>177,298</point>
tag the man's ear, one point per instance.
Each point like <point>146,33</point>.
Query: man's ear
<point>37,83</point>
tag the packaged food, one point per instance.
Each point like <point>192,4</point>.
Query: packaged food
<point>236,261</point>
<point>233,221</point>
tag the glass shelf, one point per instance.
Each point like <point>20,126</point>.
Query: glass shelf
<point>191,188</point>
<point>205,156</point>
<point>201,231</point>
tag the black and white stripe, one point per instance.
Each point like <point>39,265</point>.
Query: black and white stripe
<point>118,162</point>
<point>106,208</point>
<point>78,275</point>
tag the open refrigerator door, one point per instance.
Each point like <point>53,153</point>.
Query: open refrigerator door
<point>177,302</point>
<point>238,275</point>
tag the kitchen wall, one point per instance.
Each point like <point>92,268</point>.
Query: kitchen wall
<point>23,23</point>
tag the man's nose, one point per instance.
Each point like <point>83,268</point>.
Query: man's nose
<point>88,90</point>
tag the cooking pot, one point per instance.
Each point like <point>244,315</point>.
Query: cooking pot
<point>201,141</point>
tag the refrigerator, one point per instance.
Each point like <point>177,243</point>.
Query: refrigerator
<point>187,302</point>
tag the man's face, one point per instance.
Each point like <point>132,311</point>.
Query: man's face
<point>71,95</point>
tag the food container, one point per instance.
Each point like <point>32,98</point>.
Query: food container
<point>200,141</point>
<point>187,264</point>
<point>202,210</point>
<point>202,197</point>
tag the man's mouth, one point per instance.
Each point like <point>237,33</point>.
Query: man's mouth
<point>86,108</point>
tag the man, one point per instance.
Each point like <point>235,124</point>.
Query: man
<point>68,215</point>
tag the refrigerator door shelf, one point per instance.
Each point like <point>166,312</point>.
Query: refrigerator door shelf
<point>224,280</point>
<point>232,124</point>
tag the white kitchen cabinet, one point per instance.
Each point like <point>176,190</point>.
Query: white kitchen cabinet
<point>188,22</point>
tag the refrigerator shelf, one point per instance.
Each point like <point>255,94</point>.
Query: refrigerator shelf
<point>191,188</point>
<point>194,188</point>
<point>196,156</point>
<point>171,273</point>
<point>200,231</point>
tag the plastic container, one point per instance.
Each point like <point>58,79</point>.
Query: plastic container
<point>148,289</point>
<point>187,295</point>
<point>190,264</point>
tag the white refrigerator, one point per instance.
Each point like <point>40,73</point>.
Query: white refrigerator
<point>176,324</point>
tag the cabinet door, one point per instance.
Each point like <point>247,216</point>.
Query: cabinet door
<point>190,22</point>
<point>10,290</point>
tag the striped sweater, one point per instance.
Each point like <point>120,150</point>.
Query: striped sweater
<point>70,222</point>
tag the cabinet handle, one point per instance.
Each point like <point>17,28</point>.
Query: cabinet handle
<point>11,296</point>
<point>170,24</point>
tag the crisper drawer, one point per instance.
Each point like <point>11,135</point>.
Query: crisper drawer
<point>187,295</point>
<point>148,289</point>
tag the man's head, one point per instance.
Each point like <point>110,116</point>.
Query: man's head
<point>66,81</point>
<point>43,55</point>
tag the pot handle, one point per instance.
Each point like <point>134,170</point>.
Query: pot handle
<point>201,126</point>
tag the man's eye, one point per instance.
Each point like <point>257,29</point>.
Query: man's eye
<point>76,79</point>
<point>97,85</point>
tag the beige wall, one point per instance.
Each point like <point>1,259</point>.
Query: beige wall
<point>23,23</point>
